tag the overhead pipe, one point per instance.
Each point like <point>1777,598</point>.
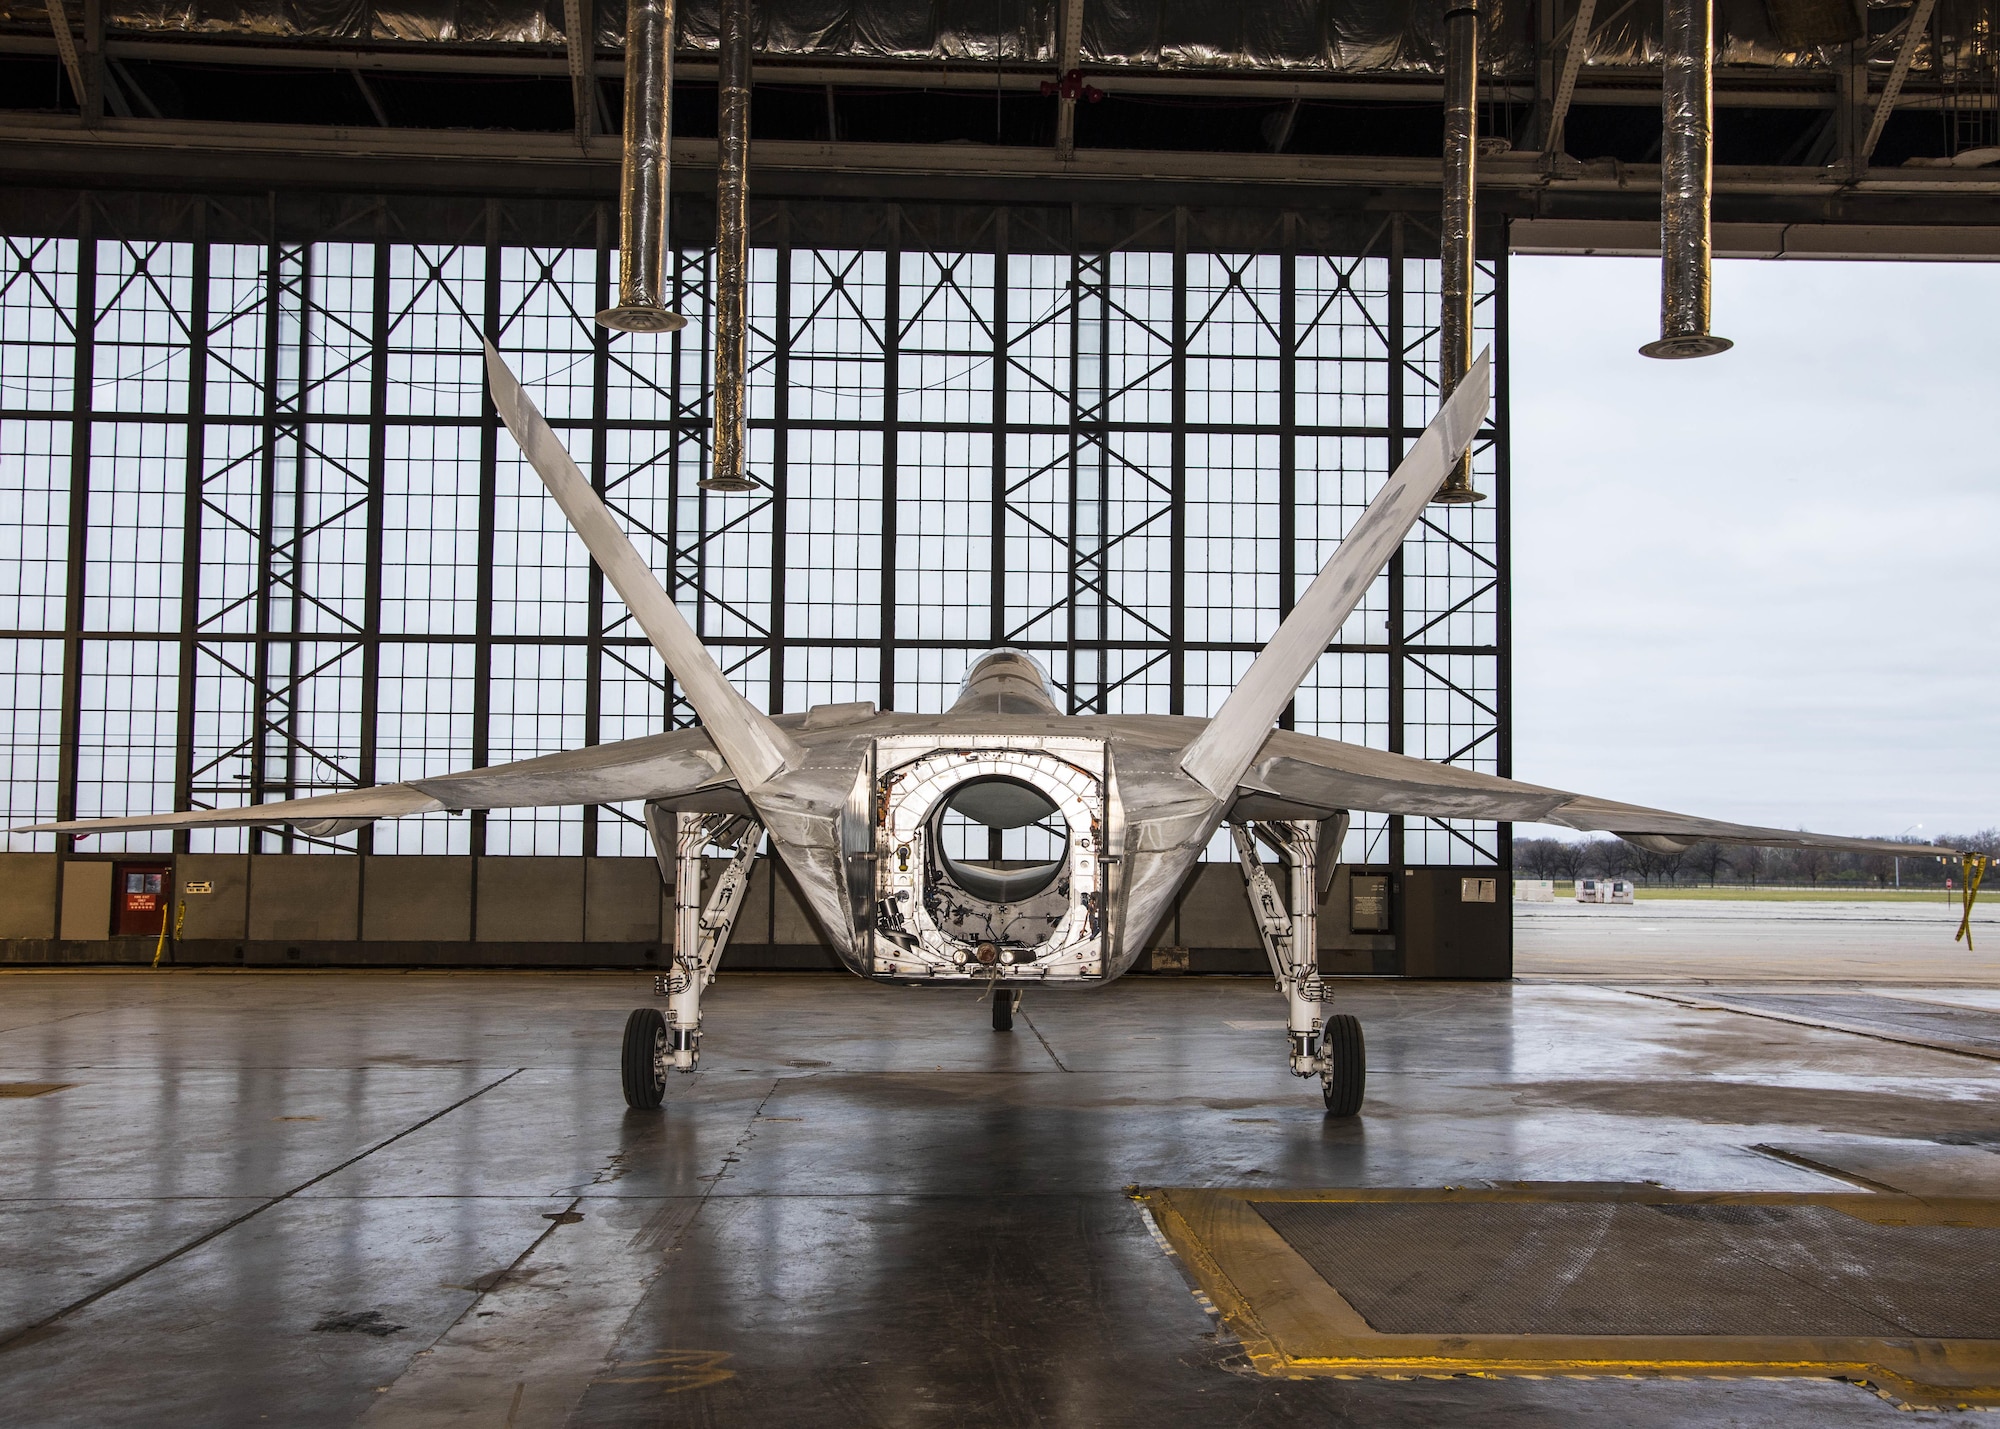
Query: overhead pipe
<point>1456,225</point>
<point>732,277</point>
<point>1687,119</point>
<point>642,185</point>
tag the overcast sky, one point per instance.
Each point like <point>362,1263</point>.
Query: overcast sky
<point>1763,586</point>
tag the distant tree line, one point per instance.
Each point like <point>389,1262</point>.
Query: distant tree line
<point>1713,863</point>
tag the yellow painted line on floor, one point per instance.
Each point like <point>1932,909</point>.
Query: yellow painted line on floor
<point>1292,1323</point>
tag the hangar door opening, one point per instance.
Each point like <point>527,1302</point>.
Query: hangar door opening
<point>272,541</point>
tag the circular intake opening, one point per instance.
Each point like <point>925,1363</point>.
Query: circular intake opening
<point>1001,840</point>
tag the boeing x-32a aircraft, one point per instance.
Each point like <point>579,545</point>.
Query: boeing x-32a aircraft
<point>856,801</point>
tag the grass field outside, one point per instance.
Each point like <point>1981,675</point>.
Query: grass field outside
<point>1770,893</point>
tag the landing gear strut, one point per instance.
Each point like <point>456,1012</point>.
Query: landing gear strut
<point>1323,1043</point>
<point>701,932</point>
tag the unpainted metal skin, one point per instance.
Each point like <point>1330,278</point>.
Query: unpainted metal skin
<point>855,801</point>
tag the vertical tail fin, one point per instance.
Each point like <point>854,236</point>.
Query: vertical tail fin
<point>1218,756</point>
<point>755,748</point>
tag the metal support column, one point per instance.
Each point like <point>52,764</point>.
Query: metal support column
<point>489,500</point>
<point>600,476</point>
<point>1288,432</point>
<point>267,499</point>
<point>191,523</point>
<point>368,773</point>
<point>75,586</point>
<point>1399,437</point>
<point>781,413</point>
<point>996,592</point>
<point>892,383</point>
<point>1177,497</point>
<point>579,21</point>
<point>1069,80</point>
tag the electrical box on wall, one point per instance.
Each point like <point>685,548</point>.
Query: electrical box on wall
<point>1368,904</point>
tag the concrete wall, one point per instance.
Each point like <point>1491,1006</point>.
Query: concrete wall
<point>596,912</point>
<point>28,895</point>
<point>421,898</point>
<point>86,900</point>
<point>302,899</point>
<point>215,889</point>
<point>624,901</point>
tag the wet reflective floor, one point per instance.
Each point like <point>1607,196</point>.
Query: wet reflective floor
<point>338,1198</point>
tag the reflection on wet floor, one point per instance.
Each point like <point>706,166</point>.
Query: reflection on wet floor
<point>417,1196</point>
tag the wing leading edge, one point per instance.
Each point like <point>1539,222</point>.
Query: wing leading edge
<point>680,766</point>
<point>1299,771</point>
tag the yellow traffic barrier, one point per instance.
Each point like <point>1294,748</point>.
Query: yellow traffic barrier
<point>1974,867</point>
<point>180,921</point>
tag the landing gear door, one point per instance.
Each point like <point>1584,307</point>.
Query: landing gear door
<point>859,853</point>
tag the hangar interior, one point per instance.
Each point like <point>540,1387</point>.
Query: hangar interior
<point>1086,327</point>
<point>1082,329</point>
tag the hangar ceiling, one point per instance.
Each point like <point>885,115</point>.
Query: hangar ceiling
<point>894,99</point>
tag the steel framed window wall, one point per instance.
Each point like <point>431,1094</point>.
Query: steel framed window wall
<point>264,537</point>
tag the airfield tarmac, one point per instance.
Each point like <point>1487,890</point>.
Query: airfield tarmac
<point>327,1198</point>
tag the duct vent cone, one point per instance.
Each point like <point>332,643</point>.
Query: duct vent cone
<point>641,317</point>
<point>1699,344</point>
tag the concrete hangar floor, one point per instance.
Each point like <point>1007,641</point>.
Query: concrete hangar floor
<point>345,1198</point>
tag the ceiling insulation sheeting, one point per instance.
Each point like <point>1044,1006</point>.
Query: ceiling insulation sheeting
<point>1385,37</point>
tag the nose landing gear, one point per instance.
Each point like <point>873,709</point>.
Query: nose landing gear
<point>1005,1000</point>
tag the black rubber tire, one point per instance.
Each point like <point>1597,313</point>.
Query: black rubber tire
<point>1003,1010</point>
<point>645,1081</point>
<point>1346,1076</point>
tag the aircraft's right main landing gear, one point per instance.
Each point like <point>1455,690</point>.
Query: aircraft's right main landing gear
<point>647,1056</point>
<point>1323,1043</point>
<point>1343,1071</point>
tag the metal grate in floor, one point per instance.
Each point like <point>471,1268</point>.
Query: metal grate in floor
<point>1951,1026</point>
<point>1887,1289</point>
<point>1623,1269</point>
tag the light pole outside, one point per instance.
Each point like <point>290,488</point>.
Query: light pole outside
<point>1899,861</point>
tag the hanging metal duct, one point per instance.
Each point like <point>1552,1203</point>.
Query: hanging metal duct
<point>1455,230</point>
<point>1687,117</point>
<point>642,188</point>
<point>732,275</point>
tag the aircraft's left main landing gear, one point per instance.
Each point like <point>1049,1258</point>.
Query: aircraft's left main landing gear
<point>701,932</point>
<point>1323,1043</point>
